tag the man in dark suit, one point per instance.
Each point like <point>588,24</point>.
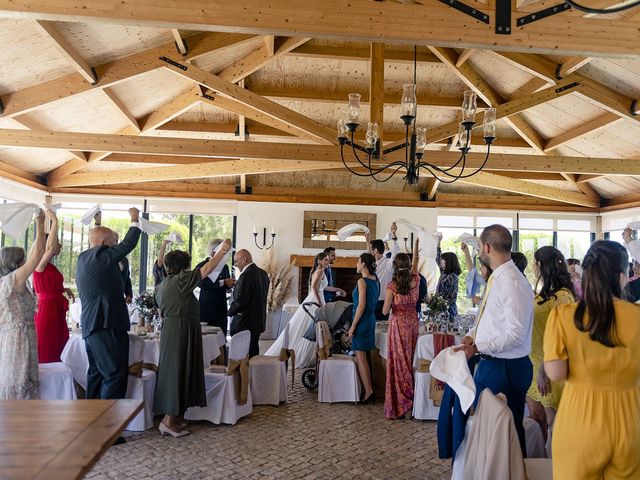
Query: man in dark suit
<point>249,305</point>
<point>213,294</point>
<point>105,319</point>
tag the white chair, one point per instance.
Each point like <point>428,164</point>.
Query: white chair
<point>222,387</point>
<point>269,375</point>
<point>534,439</point>
<point>56,382</point>
<point>338,379</point>
<point>423,407</point>
<point>140,385</point>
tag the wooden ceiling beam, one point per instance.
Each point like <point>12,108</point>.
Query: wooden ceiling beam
<point>608,99</point>
<point>376,87</point>
<point>464,56</point>
<point>584,187</point>
<point>530,64</point>
<point>67,51</point>
<point>171,109</point>
<point>181,45</point>
<point>571,64</point>
<point>112,73</point>
<point>121,109</point>
<point>304,152</point>
<point>34,125</point>
<point>19,175</point>
<point>587,128</point>
<point>222,168</point>
<point>298,122</point>
<point>360,20</point>
<point>342,52</point>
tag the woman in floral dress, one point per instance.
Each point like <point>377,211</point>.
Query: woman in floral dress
<point>18,344</point>
<point>400,300</point>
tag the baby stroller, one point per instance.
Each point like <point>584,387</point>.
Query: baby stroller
<point>338,316</point>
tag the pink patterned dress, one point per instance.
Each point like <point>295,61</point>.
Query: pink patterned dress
<point>401,346</point>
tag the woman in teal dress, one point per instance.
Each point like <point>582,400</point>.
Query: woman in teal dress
<point>362,331</point>
<point>180,381</point>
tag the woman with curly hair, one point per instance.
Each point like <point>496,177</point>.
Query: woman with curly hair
<point>400,300</point>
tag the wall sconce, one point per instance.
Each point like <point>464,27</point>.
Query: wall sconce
<point>408,250</point>
<point>264,238</point>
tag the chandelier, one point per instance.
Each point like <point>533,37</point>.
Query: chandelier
<point>376,166</point>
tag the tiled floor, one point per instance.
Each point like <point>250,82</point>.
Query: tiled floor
<point>302,439</point>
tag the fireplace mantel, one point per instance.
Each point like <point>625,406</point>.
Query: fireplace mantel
<point>339,262</point>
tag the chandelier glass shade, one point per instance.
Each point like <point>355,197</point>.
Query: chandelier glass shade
<point>371,161</point>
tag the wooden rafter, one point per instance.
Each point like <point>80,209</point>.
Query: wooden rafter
<point>121,109</point>
<point>303,152</point>
<point>572,64</point>
<point>34,125</point>
<point>464,56</point>
<point>584,187</point>
<point>587,128</point>
<point>181,45</point>
<point>376,87</point>
<point>362,53</point>
<point>67,50</point>
<point>227,89</point>
<point>111,73</point>
<point>19,175</point>
<point>356,20</point>
<point>171,109</point>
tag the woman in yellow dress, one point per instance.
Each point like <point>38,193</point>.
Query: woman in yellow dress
<point>554,287</point>
<point>595,346</point>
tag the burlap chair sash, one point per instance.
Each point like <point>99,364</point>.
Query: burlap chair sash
<point>423,365</point>
<point>241,366</point>
<point>150,366</point>
<point>325,352</point>
<point>135,369</point>
<point>285,355</point>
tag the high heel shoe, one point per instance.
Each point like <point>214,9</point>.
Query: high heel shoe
<point>164,430</point>
<point>369,399</point>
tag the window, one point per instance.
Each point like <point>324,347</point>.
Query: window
<point>530,241</point>
<point>448,244</point>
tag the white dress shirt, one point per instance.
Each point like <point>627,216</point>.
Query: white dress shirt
<point>384,268</point>
<point>503,329</point>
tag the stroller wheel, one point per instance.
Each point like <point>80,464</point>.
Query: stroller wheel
<point>309,379</point>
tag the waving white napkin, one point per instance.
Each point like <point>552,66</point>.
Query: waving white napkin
<point>634,225</point>
<point>451,368</point>
<point>174,237</point>
<point>213,276</point>
<point>411,226</point>
<point>473,242</point>
<point>87,218</point>
<point>15,218</point>
<point>152,228</point>
<point>348,230</point>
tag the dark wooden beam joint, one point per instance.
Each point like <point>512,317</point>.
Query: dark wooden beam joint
<point>634,109</point>
<point>539,15</point>
<point>94,75</point>
<point>467,10</point>
<point>248,190</point>
<point>186,46</point>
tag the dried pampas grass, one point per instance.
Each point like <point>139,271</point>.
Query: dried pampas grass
<point>281,281</point>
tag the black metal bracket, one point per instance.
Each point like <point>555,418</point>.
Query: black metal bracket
<point>174,63</point>
<point>424,197</point>
<point>467,10</point>
<point>567,87</point>
<point>186,46</point>
<point>394,149</point>
<point>633,109</point>
<point>1,107</point>
<point>558,70</point>
<point>503,17</point>
<point>94,75</point>
<point>248,190</point>
<point>547,12</point>
<point>208,97</point>
<point>356,146</point>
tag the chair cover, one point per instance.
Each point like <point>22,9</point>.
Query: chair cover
<point>338,379</point>
<point>269,377</point>
<point>56,382</point>
<point>538,468</point>
<point>140,385</point>
<point>533,439</point>
<point>423,407</point>
<point>223,390</point>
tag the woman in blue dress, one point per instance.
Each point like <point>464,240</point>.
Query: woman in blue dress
<point>362,331</point>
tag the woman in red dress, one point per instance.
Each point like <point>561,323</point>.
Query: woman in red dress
<point>50,318</point>
<point>400,299</point>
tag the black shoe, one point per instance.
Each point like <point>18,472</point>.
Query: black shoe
<point>119,441</point>
<point>370,399</point>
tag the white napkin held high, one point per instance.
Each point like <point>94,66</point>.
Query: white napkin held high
<point>87,218</point>
<point>411,226</point>
<point>348,230</point>
<point>213,276</point>
<point>15,218</point>
<point>174,237</point>
<point>152,228</point>
<point>451,368</point>
<point>634,225</point>
<point>473,242</point>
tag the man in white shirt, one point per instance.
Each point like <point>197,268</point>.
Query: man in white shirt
<point>502,334</point>
<point>632,245</point>
<point>384,266</point>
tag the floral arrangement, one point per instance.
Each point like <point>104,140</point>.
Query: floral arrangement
<point>146,305</point>
<point>437,303</point>
<point>280,281</point>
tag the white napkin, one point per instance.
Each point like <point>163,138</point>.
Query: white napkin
<point>174,238</point>
<point>75,310</point>
<point>634,225</point>
<point>451,368</point>
<point>16,218</point>
<point>346,231</point>
<point>213,276</point>
<point>87,218</point>
<point>411,226</point>
<point>473,242</point>
<point>152,228</point>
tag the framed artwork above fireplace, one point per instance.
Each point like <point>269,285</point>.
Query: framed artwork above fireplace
<point>320,228</point>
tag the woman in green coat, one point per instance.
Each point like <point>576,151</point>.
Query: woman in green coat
<point>180,381</point>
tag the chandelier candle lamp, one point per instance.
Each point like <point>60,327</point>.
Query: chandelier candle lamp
<point>415,142</point>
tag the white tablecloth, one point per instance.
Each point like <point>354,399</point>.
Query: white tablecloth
<point>74,354</point>
<point>424,349</point>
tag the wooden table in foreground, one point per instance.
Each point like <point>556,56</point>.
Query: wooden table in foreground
<point>62,439</point>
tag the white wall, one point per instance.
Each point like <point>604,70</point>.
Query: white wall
<point>287,220</point>
<point>18,192</point>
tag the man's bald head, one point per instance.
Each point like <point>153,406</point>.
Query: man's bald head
<point>242,258</point>
<point>99,236</point>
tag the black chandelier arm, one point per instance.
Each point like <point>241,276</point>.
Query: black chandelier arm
<point>461,175</point>
<point>355,154</point>
<point>349,168</point>
<point>390,175</point>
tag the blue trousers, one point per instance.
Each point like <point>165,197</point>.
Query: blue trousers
<point>512,377</point>
<point>108,352</point>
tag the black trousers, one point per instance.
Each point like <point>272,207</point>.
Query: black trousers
<point>511,377</point>
<point>108,352</point>
<point>254,347</point>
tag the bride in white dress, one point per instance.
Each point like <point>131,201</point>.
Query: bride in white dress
<point>305,349</point>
